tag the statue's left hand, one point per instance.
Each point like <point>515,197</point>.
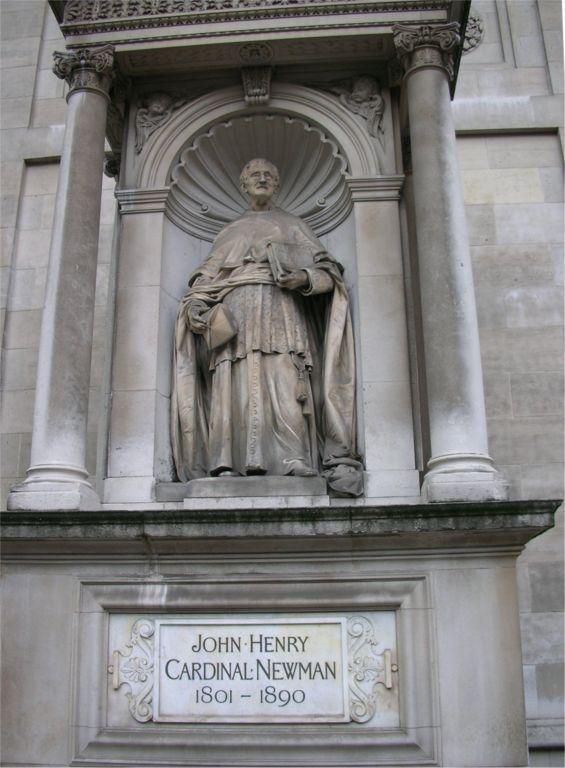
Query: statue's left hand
<point>294,280</point>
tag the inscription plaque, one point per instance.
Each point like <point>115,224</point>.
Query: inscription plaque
<point>254,670</point>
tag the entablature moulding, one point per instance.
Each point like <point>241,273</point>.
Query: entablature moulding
<point>190,35</point>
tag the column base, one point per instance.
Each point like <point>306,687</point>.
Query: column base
<point>463,477</point>
<point>51,495</point>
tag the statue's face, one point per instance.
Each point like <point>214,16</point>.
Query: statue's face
<point>260,182</point>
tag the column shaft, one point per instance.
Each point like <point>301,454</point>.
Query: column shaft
<point>460,467</point>
<point>57,477</point>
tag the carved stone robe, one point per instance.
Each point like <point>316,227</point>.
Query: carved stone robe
<point>280,395</point>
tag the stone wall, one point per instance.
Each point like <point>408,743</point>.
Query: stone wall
<point>507,112</point>
<point>508,108</point>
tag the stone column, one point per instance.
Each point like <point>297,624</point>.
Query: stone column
<point>460,468</point>
<point>57,477</point>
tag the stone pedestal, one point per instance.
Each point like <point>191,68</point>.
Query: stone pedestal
<point>460,468</point>
<point>426,596</point>
<point>57,477</point>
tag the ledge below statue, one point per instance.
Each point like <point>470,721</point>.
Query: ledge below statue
<point>154,533</point>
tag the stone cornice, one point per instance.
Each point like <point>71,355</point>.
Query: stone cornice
<point>88,69</point>
<point>427,527</point>
<point>426,45</point>
<point>87,17</point>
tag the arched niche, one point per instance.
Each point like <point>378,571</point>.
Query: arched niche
<point>317,108</point>
<point>164,237</point>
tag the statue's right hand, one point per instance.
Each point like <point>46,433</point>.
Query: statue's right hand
<point>194,314</point>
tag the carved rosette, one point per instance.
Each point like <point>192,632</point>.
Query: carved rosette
<point>87,69</point>
<point>134,667</point>
<point>367,669</point>
<point>428,45</point>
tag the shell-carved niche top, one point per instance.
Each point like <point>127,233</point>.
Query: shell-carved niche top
<point>205,193</point>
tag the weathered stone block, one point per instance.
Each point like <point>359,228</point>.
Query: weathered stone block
<point>472,151</point>
<point>542,637</point>
<point>531,307</point>
<point>497,394</point>
<point>132,434</point>
<point>491,307</point>
<point>512,265</point>
<point>20,369</point>
<point>546,586</point>
<point>47,86</point>
<point>27,289</point>
<point>529,223</point>
<point>17,86</point>
<point>136,338</point>
<point>552,184</point>
<point>17,411</point>
<point>524,151</point>
<point>481,226</point>
<point>502,185</point>
<point>32,248</point>
<point>48,112</point>
<point>19,52</point>
<point>537,394</point>
<point>522,349</point>
<point>22,329</point>
<point>526,441</point>
<point>545,481</point>
<point>550,693</point>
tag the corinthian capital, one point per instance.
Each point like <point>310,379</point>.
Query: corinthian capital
<point>428,45</point>
<point>87,69</point>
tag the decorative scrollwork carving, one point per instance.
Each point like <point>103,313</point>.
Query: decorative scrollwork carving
<point>474,32</point>
<point>153,111</point>
<point>426,45</point>
<point>367,669</point>
<point>86,69</point>
<point>362,96</point>
<point>134,668</point>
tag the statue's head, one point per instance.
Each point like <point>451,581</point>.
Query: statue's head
<point>259,179</point>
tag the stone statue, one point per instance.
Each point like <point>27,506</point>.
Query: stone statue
<point>264,379</point>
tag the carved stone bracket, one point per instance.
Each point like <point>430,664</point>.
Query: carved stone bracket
<point>362,96</point>
<point>428,45</point>
<point>256,85</point>
<point>154,110</point>
<point>134,667</point>
<point>367,669</point>
<point>474,32</point>
<point>115,120</point>
<point>87,69</point>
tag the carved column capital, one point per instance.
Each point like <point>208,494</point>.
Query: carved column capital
<point>87,69</point>
<point>428,45</point>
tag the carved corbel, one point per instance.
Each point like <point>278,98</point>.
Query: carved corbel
<point>115,124</point>
<point>362,96</point>
<point>154,110</point>
<point>87,69</point>
<point>474,32</point>
<point>256,84</point>
<point>428,45</point>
